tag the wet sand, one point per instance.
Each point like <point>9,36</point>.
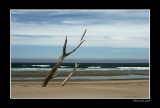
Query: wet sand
<point>77,89</point>
<point>75,74</point>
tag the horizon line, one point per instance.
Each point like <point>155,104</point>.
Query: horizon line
<point>80,60</point>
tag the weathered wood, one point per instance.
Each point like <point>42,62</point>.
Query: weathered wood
<point>64,54</point>
<point>74,49</point>
<point>69,76</point>
<point>64,47</point>
<point>83,35</point>
<point>49,75</point>
<point>56,74</point>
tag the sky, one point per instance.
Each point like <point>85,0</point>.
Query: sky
<point>111,34</point>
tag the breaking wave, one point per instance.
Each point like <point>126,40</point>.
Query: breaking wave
<point>41,65</point>
<point>133,68</point>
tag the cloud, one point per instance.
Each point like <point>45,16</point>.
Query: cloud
<point>119,12</point>
<point>115,35</point>
<point>114,28</point>
<point>73,22</point>
<point>103,16</point>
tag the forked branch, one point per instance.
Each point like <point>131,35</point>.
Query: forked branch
<point>74,49</point>
<point>64,54</point>
<point>64,47</point>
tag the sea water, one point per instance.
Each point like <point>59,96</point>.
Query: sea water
<point>89,68</point>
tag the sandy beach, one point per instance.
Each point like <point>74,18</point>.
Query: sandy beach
<point>107,89</point>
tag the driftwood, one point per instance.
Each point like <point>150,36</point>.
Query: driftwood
<point>64,54</point>
<point>56,74</point>
<point>69,76</point>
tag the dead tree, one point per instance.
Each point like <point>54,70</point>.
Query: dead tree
<point>56,74</point>
<point>69,76</point>
<point>64,54</point>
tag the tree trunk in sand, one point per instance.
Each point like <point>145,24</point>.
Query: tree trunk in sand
<point>64,54</point>
<point>69,76</point>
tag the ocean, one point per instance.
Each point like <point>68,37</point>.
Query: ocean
<point>130,70</point>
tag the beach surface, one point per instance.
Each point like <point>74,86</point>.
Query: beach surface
<point>107,89</point>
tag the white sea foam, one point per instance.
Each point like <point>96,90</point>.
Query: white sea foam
<point>64,66</point>
<point>133,68</point>
<point>39,69</point>
<point>94,67</point>
<point>41,65</point>
<point>30,69</point>
<point>65,69</point>
<point>80,69</point>
<point>101,69</point>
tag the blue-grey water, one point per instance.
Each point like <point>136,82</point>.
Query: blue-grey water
<point>128,68</point>
<point>90,77</point>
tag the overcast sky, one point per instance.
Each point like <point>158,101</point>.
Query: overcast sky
<point>111,34</point>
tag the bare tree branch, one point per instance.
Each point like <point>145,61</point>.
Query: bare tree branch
<point>69,76</point>
<point>81,41</point>
<point>74,49</point>
<point>64,54</point>
<point>56,74</point>
<point>83,35</point>
<point>64,47</point>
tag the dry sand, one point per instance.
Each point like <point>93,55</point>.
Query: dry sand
<point>81,89</point>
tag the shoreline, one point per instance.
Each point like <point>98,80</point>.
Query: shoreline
<point>79,80</point>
